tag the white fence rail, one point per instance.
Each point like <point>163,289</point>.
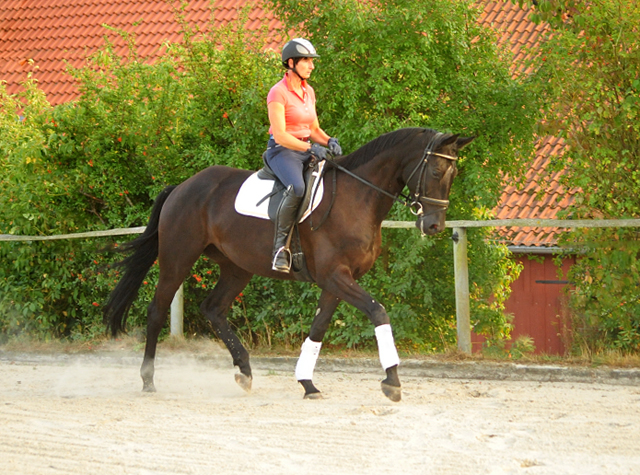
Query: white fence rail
<point>459,255</point>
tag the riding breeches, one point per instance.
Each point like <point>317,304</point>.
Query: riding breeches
<point>288,165</point>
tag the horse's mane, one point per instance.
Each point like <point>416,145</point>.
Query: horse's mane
<point>365,153</point>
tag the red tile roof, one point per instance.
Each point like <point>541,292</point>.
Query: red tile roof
<point>39,36</point>
<point>542,196</point>
<point>513,27</point>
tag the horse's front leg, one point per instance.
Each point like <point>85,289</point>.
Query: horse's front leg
<point>389,360</point>
<point>311,346</point>
<point>343,285</point>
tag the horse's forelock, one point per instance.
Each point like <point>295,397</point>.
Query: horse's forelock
<point>368,151</point>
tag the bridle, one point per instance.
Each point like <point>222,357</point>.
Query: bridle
<point>421,169</point>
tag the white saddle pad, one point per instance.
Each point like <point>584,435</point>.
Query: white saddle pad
<point>254,189</point>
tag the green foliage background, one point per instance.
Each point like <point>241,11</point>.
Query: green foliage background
<point>588,75</point>
<point>98,163</point>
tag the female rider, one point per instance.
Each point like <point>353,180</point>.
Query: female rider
<point>295,135</point>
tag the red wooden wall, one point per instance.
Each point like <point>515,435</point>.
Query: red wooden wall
<point>536,304</point>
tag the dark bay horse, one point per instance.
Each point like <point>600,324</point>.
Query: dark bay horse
<point>198,218</point>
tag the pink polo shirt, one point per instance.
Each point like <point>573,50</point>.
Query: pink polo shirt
<point>299,112</point>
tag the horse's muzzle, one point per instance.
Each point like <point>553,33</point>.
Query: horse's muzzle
<point>429,226</point>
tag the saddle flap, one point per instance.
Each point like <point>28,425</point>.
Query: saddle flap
<point>260,196</point>
<point>312,172</point>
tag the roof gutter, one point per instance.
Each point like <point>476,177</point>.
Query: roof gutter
<point>540,250</point>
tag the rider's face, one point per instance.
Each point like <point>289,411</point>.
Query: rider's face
<point>304,67</point>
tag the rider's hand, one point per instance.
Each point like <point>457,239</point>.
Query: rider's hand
<point>334,147</point>
<point>319,151</point>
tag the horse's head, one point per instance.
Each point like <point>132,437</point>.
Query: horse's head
<point>431,178</point>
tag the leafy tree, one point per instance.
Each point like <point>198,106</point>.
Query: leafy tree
<point>588,73</point>
<point>399,63</point>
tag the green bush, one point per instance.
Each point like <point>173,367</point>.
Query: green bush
<point>98,163</point>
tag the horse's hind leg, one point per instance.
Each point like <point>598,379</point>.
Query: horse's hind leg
<point>216,307</point>
<point>174,268</point>
<point>311,347</point>
<point>156,316</point>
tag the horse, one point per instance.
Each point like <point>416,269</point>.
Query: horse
<point>198,218</point>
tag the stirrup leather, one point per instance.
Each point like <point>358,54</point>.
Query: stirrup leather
<point>282,260</point>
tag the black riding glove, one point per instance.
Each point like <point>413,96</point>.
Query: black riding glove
<point>334,147</point>
<point>319,151</point>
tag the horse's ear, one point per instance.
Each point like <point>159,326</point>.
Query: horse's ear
<point>461,142</point>
<point>449,140</point>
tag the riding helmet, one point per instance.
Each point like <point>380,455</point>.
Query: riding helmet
<point>297,48</point>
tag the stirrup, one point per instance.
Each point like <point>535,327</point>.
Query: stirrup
<point>282,260</point>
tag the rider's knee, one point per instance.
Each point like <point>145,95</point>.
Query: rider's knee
<point>298,190</point>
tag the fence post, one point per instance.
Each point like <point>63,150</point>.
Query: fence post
<point>177,313</point>
<point>461,272</point>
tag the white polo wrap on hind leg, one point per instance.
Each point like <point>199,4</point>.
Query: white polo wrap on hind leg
<point>386,347</point>
<point>307,361</point>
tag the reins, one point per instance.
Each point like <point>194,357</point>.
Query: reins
<point>406,200</point>
<point>368,183</point>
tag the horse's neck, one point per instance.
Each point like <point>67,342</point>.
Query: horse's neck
<point>385,174</point>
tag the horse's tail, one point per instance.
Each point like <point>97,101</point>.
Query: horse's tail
<point>137,265</point>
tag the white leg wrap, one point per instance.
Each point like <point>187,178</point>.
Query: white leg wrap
<point>307,361</point>
<point>386,346</point>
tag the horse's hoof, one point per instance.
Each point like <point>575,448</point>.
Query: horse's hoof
<point>392,392</point>
<point>148,388</point>
<point>244,381</point>
<point>317,395</point>
<point>310,391</point>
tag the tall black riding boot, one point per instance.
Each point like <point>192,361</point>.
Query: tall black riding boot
<point>285,218</point>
